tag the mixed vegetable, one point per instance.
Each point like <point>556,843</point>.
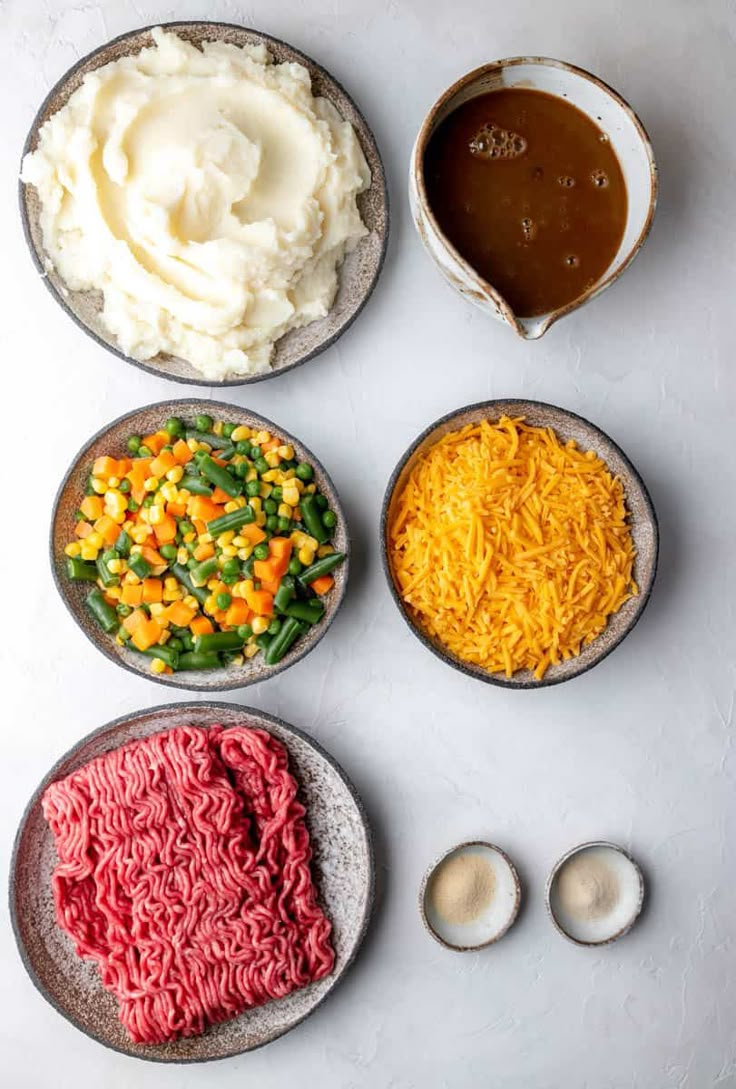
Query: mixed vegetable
<point>205,546</point>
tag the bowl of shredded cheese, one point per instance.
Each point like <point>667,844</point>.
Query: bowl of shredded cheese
<point>519,542</point>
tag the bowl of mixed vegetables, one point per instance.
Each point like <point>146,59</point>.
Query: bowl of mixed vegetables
<point>199,545</point>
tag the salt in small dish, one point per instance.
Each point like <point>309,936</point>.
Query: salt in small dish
<point>494,919</point>
<point>593,922</point>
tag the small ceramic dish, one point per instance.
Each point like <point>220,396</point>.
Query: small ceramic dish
<point>606,109</point>
<point>111,440</point>
<point>597,927</point>
<point>494,920</point>
<point>643,524</point>
<point>357,276</point>
<point>343,870</point>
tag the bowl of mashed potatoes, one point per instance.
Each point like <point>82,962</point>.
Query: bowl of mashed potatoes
<point>205,201</point>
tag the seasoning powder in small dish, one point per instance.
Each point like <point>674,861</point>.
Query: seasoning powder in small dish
<point>470,897</point>
<point>595,893</point>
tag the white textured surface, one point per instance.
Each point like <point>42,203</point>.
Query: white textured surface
<point>639,750</point>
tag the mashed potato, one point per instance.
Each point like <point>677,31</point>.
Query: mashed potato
<point>207,194</point>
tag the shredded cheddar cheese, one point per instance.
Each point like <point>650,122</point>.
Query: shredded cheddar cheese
<point>510,548</point>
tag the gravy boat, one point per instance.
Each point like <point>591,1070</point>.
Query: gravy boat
<point>607,110</point>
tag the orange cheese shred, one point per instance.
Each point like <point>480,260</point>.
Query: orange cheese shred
<point>510,547</point>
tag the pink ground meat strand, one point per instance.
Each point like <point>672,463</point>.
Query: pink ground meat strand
<point>184,873</point>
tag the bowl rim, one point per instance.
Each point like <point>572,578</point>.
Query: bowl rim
<point>196,707</point>
<point>146,365</point>
<point>168,679</point>
<point>486,289</point>
<point>431,869</point>
<point>552,877</point>
<point>496,407</point>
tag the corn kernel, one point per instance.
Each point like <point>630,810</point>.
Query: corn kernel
<point>128,525</point>
<point>73,549</point>
<point>310,489</point>
<point>171,583</point>
<point>113,592</point>
<point>98,486</point>
<point>241,433</point>
<point>251,651</point>
<point>225,538</point>
<point>183,495</point>
<point>229,551</point>
<point>265,491</point>
<point>210,605</point>
<point>130,578</point>
<point>119,518</point>
<point>205,538</point>
<point>303,540</point>
<point>251,475</point>
<point>272,458</point>
<point>156,515</point>
<point>158,666</point>
<point>150,483</point>
<point>237,660</point>
<point>115,501</point>
<point>230,507</point>
<point>244,553</point>
<point>189,537</point>
<point>239,542</point>
<point>88,551</point>
<point>182,556</point>
<point>193,445</point>
<point>256,504</point>
<point>212,585</point>
<point>164,636</point>
<point>259,625</point>
<point>113,482</point>
<point>286,452</point>
<point>120,641</point>
<point>306,556</point>
<point>284,510</point>
<point>115,567</point>
<point>140,534</point>
<point>324,550</point>
<point>261,519</point>
<point>217,427</point>
<point>156,608</point>
<point>237,589</point>
<point>95,539</point>
<point>191,602</point>
<point>171,595</point>
<point>175,474</point>
<point>169,492</point>
<point>261,437</point>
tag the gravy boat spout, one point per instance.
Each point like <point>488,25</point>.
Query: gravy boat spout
<point>607,110</point>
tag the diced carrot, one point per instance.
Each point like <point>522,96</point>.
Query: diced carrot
<point>252,533</point>
<point>152,591</point>
<point>238,613</point>
<point>271,585</point>
<point>137,476</point>
<point>124,466</point>
<point>272,444</point>
<point>199,525</point>
<point>219,496</point>
<point>260,601</point>
<point>82,530</point>
<point>150,555</point>
<point>280,546</point>
<point>201,506</point>
<point>156,442</point>
<point>161,464</point>
<point>176,510</point>
<point>136,618</point>
<point>323,584</point>
<point>165,530</point>
<point>181,452</point>
<point>107,528</point>
<point>92,507</point>
<point>131,593</point>
<point>201,625</point>
<point>180,614</point>
<point>146,634</point>
<point>105,467</point>
<point>203,552</point>
<point>264,569</point>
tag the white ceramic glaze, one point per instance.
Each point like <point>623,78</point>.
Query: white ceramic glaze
<point>606,109</point>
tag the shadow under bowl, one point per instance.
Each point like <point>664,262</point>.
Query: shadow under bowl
<point>111,440</point>
<point>357,276</point>
<point>642,523</point>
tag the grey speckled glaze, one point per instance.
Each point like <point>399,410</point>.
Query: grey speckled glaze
<point>342,867</point>
<point>111,440</point>
<point>357,276</point>
<point>643,524</point>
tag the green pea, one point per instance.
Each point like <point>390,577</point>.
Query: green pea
<point>175,643</point>
<point>244,632</point>
<point>227,429</point>
<point>255,452</point>
<point>134,444</point>
<point>185,527</point>
<point>243,447</point>
<point>144,452</point>
<point>230,567</point>
<point>272,523</point>
<point>241,469</point>
<point>133,506</point>
<point>274,627</point>
<point>148,501</point>
<point>173,426</point>
<point>261,552</point>
<point>262,465</point>
<point>329,519</point>
<point>270,506</point>
<point>277,493</point>
<point>295,566</point>
<point>80,516</point>
<point>168,551</point>
<point>123,610</point>
<point>88,488</point>
<point>223,600</point>
<point>253,488</point>
<point>190,546</point>
<point>230,579</point>
<point>124,486</point>
<point>203,423</point>
<point>304,471</point>
<point>321,501</point>
<point>284,525</point>
<point>191,562</point>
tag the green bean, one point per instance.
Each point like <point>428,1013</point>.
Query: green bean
<point>139,566</point>
<point>215,441</point>
<point>80,570</point>
<point>282,642</point>
<point>311,611</point>
<point>184,578</point>
<point>227,452</point>
<point>220,477</point>
<point>195,485</point>
<point>105,575</point>
<point>194,660</point>
<point>243,516</point>
<point>166,653</point>
<point>103,613</point>
<point>312,517</point>
<point>215,641</point>
<point>263,641</point>
<point>284,594</point>
<point>321,567</point>
<point>123,543</point>
<point>204,570</point>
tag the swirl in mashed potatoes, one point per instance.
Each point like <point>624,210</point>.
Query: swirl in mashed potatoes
<point>207,194</point>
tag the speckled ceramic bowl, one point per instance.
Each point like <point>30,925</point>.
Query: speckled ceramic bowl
<point>643,524</point>
<point>357,276</point>
<point>111,440</point>
<point>625,916</point>
<point>343,870</point>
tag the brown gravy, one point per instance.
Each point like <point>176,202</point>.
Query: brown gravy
<point>530,193</point>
